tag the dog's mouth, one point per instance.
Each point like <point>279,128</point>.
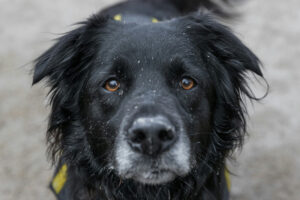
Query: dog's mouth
<point>154,176</point>
<point>153,171</point>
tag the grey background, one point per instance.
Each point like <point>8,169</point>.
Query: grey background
<point>267,168</point>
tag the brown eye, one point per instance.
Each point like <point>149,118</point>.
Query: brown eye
<point>112,85</point>
<point>187,83</point>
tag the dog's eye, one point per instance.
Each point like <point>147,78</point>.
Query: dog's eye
<point>187,83</point>
<point>112,85</point>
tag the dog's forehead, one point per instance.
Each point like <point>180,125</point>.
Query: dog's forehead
<point>158,41</point>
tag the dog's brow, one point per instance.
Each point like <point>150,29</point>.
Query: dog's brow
<point>182,65</point>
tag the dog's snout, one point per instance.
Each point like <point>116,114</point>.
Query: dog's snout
<point>151,135</point>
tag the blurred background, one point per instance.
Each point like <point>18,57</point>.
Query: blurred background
<point>268,167</point>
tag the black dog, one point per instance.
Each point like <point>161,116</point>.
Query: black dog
<point>146,102</point>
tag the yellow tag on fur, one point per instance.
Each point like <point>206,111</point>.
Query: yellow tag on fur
<point>60,179</point>
<point>154,20</point>
<point>227,178</point>
<point>118,17</point>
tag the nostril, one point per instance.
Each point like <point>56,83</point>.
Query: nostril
<point>166,135</point>
<point>138,136</point>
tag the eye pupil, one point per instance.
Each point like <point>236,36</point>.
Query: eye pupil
<point>112,85</point>
<point>187,83</point>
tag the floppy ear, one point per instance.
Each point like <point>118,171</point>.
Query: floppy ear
<point>227,61</point>
<point>69,51</point>
<point>53,62</point>
<point>217,40</point>
<point>65,66</point>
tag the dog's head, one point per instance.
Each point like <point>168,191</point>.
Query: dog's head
<point>148,102</point>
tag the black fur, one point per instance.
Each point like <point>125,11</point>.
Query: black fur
<point>72,64</point>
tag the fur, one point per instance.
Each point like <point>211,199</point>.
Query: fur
<point>85,126</point>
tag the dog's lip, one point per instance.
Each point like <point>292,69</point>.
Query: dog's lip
<point>159,171</point>
<point>154,177</point>
<point>154,172</point>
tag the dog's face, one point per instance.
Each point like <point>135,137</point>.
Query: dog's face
<point>150,102</point>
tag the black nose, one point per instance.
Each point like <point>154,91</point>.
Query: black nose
<point>151,135</point>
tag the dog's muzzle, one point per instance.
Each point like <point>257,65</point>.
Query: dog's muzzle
<point>152,149</point>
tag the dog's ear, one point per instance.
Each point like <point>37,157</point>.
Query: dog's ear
<point>65,66</point>
<point>227,60</point>
<point>68,51</point>
<point>217,40</point>
<point>54,61</point>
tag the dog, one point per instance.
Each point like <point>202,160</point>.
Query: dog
<point>147,102</point>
